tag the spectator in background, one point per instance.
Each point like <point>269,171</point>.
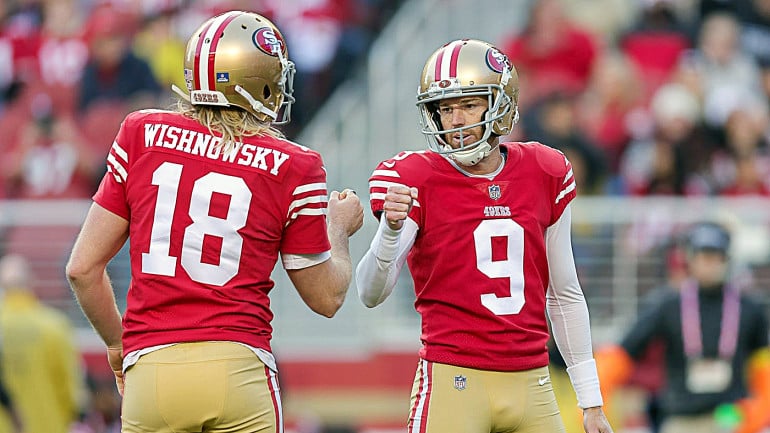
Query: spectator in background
<point>742,165</point>
<point>655,43</point>
<point>609,107</point>
<point>114,74</point>
<point>41,365</point>
<point>61,55</point>
<point>159,46</point>
<point>50,160</point>
<point>551,53</point>
<point>669,160</point>
<point>553,120</point>
<point>718,61</point>
<point>754,18</point>
<point>716,342</point>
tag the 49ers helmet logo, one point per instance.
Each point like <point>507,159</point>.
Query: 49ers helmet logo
<point>268,41</point>
<point>497,61</point>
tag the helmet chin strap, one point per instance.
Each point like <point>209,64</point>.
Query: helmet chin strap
<point>472,156</point>
<point>256,105</point>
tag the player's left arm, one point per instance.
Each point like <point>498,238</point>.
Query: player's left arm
<point>102,236</point>
<point>570,325</point>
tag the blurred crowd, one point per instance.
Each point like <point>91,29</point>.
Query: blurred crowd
<point>674,102</point>
<point>71,69</point>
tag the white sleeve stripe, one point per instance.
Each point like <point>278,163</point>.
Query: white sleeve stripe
<point>381,196</point>
<point>310,187</point>
<point>386,173</point>
<point>306,211</point>
<point>383,184</point>
<point>111,160</point>
<point>569,175</point>
<point>307,200</point>
<point>119,151</point>
<point>114,174</point>
<point>565,191</point>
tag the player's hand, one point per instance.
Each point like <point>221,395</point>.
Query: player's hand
<point>345,211</point>
<point>594,421</point>
<point>115,358</point>
<point>398,203</point>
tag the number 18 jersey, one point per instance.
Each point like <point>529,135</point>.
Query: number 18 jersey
<point>206,227</point>
<point>479,259</point>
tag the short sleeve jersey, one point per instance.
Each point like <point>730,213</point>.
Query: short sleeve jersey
<point>206,226</point>
<point>479,259</point>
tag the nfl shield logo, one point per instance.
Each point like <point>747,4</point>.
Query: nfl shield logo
<point>460,382</point>
<point>494,192</point>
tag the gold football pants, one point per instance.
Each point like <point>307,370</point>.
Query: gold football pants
<point>453,399</point>
<point>212,387</point>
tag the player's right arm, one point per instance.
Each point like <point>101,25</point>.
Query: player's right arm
<point>102,236</point>
<point>377,272</point>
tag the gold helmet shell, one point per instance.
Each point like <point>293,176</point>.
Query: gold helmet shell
<point>468,67</point>
<point>240,59</point>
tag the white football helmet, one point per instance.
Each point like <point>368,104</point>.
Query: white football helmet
<point>468,67</point>
<point>240,59</point>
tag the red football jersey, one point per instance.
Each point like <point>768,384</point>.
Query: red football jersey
<point>206,227</point>
<point>479,260</point>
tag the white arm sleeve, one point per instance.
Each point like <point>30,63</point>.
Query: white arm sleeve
<point>377,272</point>
<point>568,313</point>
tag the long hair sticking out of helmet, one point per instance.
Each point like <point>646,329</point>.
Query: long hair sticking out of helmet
<point>232,124</point>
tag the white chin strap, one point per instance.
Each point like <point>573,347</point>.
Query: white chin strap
<point>472,156</point>
<point>256,105</point>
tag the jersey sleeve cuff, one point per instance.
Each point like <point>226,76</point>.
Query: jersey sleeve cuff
<point>585,381</point>
<point>302,261</point>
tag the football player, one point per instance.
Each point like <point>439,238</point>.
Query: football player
<point>209,195</point>
<point>485,228</point>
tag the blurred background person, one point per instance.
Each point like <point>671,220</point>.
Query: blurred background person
<point>51,159</point>
<point>41,364</point>
<point>552,52</point>
<point>655,42</point>
<point>114,73</point>
<point>716,341</point>
<point>668,160</point>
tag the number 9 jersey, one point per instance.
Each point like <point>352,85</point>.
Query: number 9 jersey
<point>479,259</point>
<point>206,227</point>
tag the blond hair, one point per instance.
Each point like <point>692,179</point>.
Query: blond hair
<point>232,124</point>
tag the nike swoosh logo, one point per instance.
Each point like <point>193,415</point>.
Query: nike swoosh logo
<point>389,164</point>
<point>543,380</point>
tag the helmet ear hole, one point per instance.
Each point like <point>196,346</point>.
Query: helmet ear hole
<point>266,92</point>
